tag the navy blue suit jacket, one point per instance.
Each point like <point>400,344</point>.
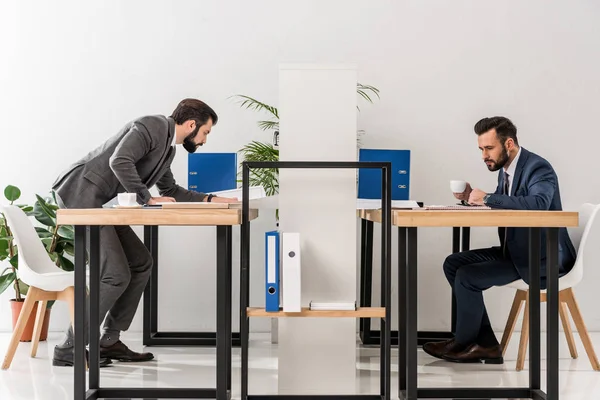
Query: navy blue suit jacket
<point>534,187</point>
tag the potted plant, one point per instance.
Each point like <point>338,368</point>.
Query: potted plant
<point>263,151</point>
<point>58,241</point>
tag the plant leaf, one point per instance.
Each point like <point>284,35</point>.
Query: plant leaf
<point>65,263</point>
<point>4,246</point>
<point>12,193</point>
<point>14,261</point>
<point>69,248</point>
<point>66,231</point>
<point>26,209</point>
<point>268,178</point>
<point>266,125</point>
<point>45,206</point>
<point>6,280</point>
<point>44,216</point>
<point>253,104</point>
<point>23,288</point>
<point>43,232</point>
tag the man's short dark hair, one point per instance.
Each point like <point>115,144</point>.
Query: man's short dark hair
<point>194,109</point>
<point>504,128</point>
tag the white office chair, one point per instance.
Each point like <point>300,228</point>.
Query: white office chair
<point>585,239</point>
<point>46,281</point>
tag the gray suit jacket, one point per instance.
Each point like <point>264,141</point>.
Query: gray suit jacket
<point>134,160</point>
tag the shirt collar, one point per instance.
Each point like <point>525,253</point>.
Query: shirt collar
<point>513,165</point>
<point>174,138</point>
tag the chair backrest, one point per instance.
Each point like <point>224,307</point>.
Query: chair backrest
<point>33,257</point>
<point>585,239</point>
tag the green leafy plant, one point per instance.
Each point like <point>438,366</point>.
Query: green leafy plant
<point>58,240</point>
<point>263,151</point>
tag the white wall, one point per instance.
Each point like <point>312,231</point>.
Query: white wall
<point>72,72</point>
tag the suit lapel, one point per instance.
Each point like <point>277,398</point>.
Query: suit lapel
<point>519,170</point>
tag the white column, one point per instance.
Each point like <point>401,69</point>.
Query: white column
<point>317,105</point>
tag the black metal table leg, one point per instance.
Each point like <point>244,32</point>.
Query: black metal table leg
<point>94,323</point>
<point>150,318</point>
<point>552,389</point>
<point>366,277</point>
<point>151,335</point>
<point>79,361</point>
<point>411,285</point>
<point>223,311</point>
<point>402,274</point>
<point>534,308</point>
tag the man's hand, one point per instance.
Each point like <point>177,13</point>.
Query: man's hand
<point>464,195</point>
<point>224,200</point>
<point>155,200</point>
<point>476,197</point>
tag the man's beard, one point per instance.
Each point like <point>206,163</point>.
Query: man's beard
<point>188,142</point>
<point>496,165</point>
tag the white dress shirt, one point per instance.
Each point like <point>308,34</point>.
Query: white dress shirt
<point>511,171</point>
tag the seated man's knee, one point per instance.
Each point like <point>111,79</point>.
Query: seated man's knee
<point>451,264</point>
<point>466,278</point>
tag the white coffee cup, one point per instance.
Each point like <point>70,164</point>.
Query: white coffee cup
<point>127,199</point>
<point>458,186</point>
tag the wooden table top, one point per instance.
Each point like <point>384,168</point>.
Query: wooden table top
<point>151,216</point>
<point>473,218</point>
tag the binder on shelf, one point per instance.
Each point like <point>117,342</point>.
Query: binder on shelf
<point>369,179</point>
<point>291,288</point>
<point>272,271</point>
<point>212,172</point>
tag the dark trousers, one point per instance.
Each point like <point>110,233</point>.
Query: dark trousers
<point>469,274</point>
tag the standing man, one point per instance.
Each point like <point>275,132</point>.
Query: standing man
<point>134,160</point>
<point>526,181</point>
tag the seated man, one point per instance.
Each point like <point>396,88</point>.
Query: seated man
<point>138,157</point>
<point>526,181</point>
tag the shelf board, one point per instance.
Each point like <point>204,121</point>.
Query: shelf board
<point>361,312</point>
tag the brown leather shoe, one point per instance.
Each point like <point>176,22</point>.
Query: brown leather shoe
<point>438,349</point>
<point>120,352</point>
<point>476,353</point>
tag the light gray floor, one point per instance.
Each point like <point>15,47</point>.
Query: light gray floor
<point>36,379</point>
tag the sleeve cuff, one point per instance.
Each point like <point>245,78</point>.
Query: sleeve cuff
<point>144,196</point>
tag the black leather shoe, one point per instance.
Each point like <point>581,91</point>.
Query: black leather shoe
<point>120,352</point>
<point>63,357</point>
<point>438,349</point>
<point>476,353</point>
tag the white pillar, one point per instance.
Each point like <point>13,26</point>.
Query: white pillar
<point>317,106</point>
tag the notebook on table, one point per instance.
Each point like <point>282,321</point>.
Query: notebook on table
<point>182,204</point>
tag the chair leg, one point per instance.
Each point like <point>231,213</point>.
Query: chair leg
<point>581,328</point>
<point>564,317</point>
<point>39,322</point>
<point>511,322</point>
<point>30,300</point>
<point>524,336</point>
